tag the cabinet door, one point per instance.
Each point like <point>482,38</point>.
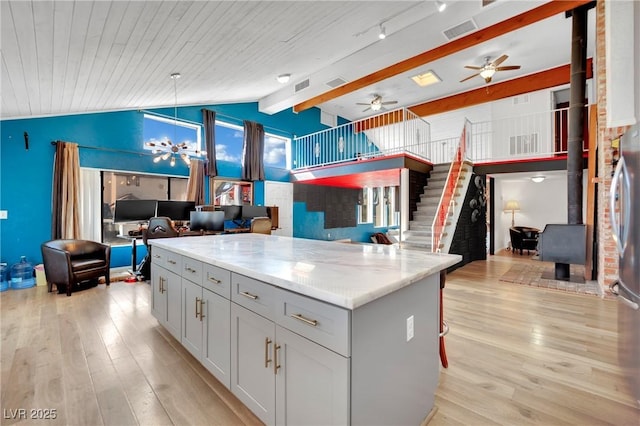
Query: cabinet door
<point>252,374</point>
<point>158,296</point>
<point>173,293</point>
<point>191,336</point>
<point>216,347</point>
<point>312,383</point>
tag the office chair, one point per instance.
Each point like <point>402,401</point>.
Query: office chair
<point>260,225</point>
<point>159,227</point>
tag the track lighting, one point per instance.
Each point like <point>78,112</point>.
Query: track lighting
<point>383,33</point>
<point>440,5</point>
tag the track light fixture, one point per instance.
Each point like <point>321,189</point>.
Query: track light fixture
<point>383,33</point>
<point>441,5</point>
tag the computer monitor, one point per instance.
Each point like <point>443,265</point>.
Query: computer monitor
<point>249,212</point>
<point>231,212</point>
<point>207,221</point>
<point>127,211</point>
<point>175,210</point>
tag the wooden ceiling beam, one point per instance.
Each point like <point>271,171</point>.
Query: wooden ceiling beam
<point>534,15</point>
<point>529,83</point>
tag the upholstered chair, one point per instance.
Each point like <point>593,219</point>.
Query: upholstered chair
<point>67,263</point>
<point>260,225</point>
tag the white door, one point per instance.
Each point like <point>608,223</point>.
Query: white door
<point>281,194</point>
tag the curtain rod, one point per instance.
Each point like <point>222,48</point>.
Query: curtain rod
<point>97,148</point>
<point>217,114</point>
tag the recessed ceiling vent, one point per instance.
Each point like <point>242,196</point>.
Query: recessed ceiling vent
<point>458,30</point>
<point>338,81</point>
<point>302,85</point>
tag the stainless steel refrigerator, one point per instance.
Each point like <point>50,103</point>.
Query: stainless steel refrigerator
<point>625,197</point>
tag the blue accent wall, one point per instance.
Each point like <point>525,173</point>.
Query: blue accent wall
<point>26,175</point>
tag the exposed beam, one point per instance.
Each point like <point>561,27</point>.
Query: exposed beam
<point>534,15</point>
<point>529,83</point>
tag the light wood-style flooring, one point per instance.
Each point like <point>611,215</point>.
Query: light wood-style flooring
<point>517,355</point>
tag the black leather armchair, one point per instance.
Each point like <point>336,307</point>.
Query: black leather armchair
<point>524,238</point>
<point>70,262</point>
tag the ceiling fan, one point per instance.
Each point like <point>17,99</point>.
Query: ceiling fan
<point>490,68</point>
<point>376,103</point>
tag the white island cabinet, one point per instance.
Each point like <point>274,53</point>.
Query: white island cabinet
<point>309,332</point>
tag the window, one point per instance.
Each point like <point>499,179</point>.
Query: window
<point>379,206</point>
<point>229,141</point>
<point>134,186</point>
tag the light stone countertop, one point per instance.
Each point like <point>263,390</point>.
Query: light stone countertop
<point>346,275</point>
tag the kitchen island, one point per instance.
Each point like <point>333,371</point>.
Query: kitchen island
<point>306,331</point>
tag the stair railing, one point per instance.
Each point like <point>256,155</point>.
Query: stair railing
<point>447,202</point>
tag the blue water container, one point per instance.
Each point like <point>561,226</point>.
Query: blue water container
<point>22,274</point>
<point>4,277</point>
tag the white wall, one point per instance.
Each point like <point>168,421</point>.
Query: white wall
<point>540,203</point>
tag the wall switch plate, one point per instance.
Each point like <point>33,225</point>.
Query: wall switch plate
<point>410,328</point>
<point>4,214</point>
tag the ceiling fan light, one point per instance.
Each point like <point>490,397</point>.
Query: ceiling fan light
<point>376,106</point>
<point>157,159</point>
<point>173,161</point>
<point>441,5</point>
<point>487,73</point>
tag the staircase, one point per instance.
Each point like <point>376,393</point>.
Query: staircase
<point>419,234</point>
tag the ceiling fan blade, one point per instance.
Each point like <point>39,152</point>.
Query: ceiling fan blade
<point>362,103</point>
<point>508,67</point>
<point>472,67</point>
<point>500,60</point>
<point>366,109</point>
<point>389,102</point>
<point>469,78</point>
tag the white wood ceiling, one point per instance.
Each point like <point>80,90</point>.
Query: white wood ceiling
<point>65,57</point>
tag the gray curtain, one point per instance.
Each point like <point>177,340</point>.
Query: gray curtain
<point>253,151</point>
<point>209,120</point>
<point>65,212</point>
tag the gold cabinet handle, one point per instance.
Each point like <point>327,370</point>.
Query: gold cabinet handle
<point>202,302</point>
<point>213,280</point>
<point>197,304</point>
<point>249,295</point>
<point>299,317</point>
<point>267,342</point>
<point>173,262</point>
<point>276,366</point>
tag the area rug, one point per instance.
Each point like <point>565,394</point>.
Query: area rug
<point>542,275</point>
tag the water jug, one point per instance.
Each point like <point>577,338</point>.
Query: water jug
<point>22,274</point>
<point>4,277</point>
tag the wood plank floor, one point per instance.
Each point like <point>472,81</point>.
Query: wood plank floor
<point>517,355</point>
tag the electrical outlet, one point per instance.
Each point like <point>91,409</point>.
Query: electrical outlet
<point>4,214</point>
<point>410,328</point>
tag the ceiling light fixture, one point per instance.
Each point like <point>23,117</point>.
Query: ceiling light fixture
<point>168,149</point>
<point>441,5</point>
<point>383,33</point>
<point>426,78</point>
<point>283,78</point>
<point>537,179</point>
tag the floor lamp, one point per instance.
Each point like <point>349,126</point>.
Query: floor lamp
<point>512,205</point>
